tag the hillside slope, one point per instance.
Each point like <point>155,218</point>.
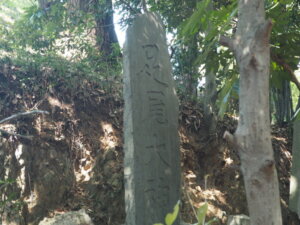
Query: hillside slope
<point>75,159</point>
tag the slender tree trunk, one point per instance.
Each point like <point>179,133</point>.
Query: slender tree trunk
<point>283,103</point>
<point>189,70</point>
<point>46,4</point>
<point>43,3</point>
<point>210,91</point>
<point>252,138</point>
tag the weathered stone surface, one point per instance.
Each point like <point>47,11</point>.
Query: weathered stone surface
<point>238,220</point>
<point>70,218</point>
<point>152,164</point>
<point>294,202</point>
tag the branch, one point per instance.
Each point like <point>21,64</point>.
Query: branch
<point>129,7</point>
<point>227,42</point>
<point>268,166</point>
<point>263,33</point>
<point>23,114</point>
<point>17,135</point>
<point>285,66</point>
<point>144,5</point>
<point>232,141</point>
<point>172,52</point>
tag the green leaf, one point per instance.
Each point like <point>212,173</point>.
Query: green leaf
<point>7,181</point>
<point>158,224</point>
<point>171,217</point>
<point>2,182</point>
<point>296,116</point>
<point>192,25</point>
<point>225,94</point>
<point>202,213</point>
<point>285,2</point>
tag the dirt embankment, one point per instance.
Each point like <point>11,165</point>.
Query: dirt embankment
<point>75,159</point>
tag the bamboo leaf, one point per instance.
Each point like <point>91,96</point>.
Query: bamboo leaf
<point>193,24</point>
<point>201,214</point>
<point>296,116</point>
<point>171,217</point>
<point>225,94</point>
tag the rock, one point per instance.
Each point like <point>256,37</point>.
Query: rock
<point>70,218</point>
<point>238,220</point>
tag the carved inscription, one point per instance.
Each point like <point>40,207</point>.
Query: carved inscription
<point>156,152</point>
<point>157,197</point>
<point>157,106</point>
<point>156,191</point>
<point>152,68</point>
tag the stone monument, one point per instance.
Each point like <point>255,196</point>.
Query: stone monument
<point>238,220</point>
<point>152,158</point>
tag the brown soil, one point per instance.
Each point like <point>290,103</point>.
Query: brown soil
<point>75,159</point>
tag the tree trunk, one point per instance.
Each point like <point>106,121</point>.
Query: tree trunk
<point>252,138</point>
<point>283,103</point>
<point>210,91</point>
<point>42,3</point>
<point>190,72</point>
<point>104,32</point>
<point>45,4</point>
<point>105,29</point>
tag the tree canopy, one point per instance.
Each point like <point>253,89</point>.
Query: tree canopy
<point>71,36</point>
